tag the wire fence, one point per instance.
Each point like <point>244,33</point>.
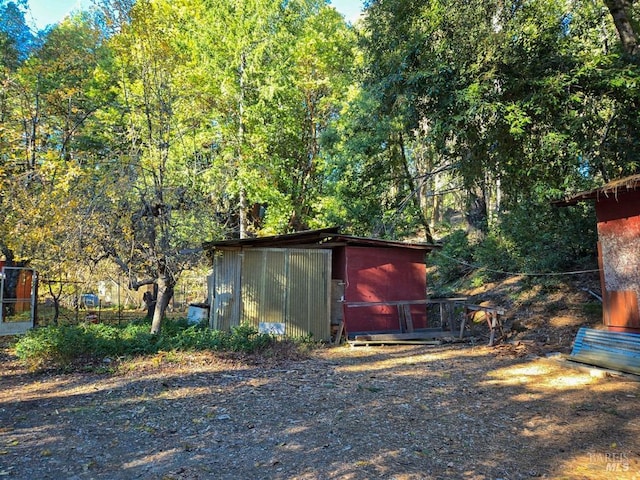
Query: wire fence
<point>110,301</point>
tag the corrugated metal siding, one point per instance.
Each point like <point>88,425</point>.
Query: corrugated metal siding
<point>226,290</point>
<point>309,301</point>
<point>288,286</point>
<point>617,350</point>
<point>275,285</point>
<point>605,341</point>
<point>264,285</point>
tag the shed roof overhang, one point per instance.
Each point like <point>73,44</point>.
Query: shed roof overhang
<point>613,189</point>
<point>324,238</point>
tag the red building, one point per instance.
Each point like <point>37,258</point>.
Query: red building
<point>618,215</point>
<point>303,283</point>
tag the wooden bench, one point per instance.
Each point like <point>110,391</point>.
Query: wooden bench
<point>602,348</point>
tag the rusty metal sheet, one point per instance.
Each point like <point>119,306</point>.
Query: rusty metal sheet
<point>617,350</point>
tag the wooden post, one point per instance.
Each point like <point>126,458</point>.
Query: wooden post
<point>462,324</point>
<point>407,317</point>
<point>336,341</point>
<point>401,319</point>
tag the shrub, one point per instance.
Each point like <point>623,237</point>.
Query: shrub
<point>51,345</point>
<point>246,338</point>
<point>496,256</point>
<point>451,261</point>
<point>62,345</point>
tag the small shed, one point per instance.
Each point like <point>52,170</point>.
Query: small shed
<point>618,221</point>
<point>298,284</point>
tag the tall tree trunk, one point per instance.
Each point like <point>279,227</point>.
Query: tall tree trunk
<point>436,214</point>
<point>622,13</point>
<point>477,210</point>
<point>56,301</point>
<point>166,284</point>
<point>413,191</point>
<point>244,223</point>
<point>242,217</point>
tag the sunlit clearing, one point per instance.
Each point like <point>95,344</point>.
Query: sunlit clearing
<point>541,375</point>
<point>180,393</point>
<point>58,388</point>
<point>611,462</point>
<point>295,429</point>
<point>151,459</point>
<point>394,357</point>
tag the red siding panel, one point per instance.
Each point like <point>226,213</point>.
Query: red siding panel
<point>619,251</point>
<point>383,275</point>
<point>615,207</point>
<point>622,311</point>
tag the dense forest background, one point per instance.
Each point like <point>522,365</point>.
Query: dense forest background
<point>134,131</point>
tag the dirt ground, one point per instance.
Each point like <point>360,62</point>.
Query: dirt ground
<point>395,412</point>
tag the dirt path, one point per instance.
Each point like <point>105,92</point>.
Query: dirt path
<point>410,412</point>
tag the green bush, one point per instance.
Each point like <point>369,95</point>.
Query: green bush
<point>543,238</point>
<point>51,345</point>
<point>246,338</point>
<point>453,260</point>
<point>62,345</point>
<point>495,255</point>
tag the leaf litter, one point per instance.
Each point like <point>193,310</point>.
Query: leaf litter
<point>389,412</point>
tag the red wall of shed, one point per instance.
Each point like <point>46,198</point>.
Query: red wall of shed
<point>382,275</point>
<point>619,247</point>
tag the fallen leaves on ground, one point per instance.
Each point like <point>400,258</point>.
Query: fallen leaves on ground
<point>401,412</point>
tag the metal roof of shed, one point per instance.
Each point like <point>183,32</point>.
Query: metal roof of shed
<point>611,189</point>
<point>323,238</point>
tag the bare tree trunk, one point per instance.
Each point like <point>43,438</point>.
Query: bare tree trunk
<point>243,194</point>
<point>56,301</point>
<point>414,192</point>
<point>243,213</point>
<point>477,210</point>
<point>166,284</point>
<point>436,210</point>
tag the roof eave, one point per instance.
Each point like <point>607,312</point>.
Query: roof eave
<point>611,189</point>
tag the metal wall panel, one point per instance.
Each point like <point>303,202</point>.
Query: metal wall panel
<point>618,247</point>
<point>264,284</point>
<point>309,301</point>
<point>226,290</point>
<point>383,275</point>
<point>273,286</point>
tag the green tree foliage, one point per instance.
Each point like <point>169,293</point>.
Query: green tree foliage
<point>16,39</point>
<point>222,106</point>
<point>509,90</point>
<point>137,130</point>
<point>520,101</point>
